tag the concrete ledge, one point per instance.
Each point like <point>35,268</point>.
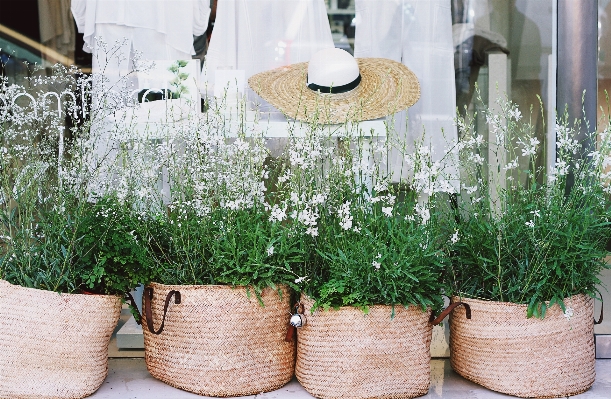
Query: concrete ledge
<point>130,335</point>
<point>128,378</point>
<point>603,346</point>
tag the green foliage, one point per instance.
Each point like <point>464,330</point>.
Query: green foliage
<point>179,78</point>
<point>541,239</point>
<point>234,247</point>
<point>114,257</point>
<point>75,246</point>
<point>392,260</point>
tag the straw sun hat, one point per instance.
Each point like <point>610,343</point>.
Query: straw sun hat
<point>334,87</point>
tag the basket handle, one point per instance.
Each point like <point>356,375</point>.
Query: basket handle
<point>600,319</point>
<point>434,321</point>
<point>132,302</point>
<point>148,296</point>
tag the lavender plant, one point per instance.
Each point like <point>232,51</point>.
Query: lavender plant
<point>542,237</point>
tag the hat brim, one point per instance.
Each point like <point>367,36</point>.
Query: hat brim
<point>386,87</point>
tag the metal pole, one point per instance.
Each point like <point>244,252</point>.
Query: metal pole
<point>577,66</point>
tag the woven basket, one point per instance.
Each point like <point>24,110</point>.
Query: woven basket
<point>217,341</point>
<point>53,345</point>
<point>346,354</point>
<point>501,349</point>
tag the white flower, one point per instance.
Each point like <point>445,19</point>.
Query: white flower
<point>381,186</point>
<point>529,148</point>
<point>515,114</point>
<point>300,279</point>
<point>477,159</point>
<point>454,238</point>
<point>424,213</point>
<point>270,250</point>
<point>568,313</point>
<point>511,165</point>
<point>318,199</point>
<point>307,217</point>
<point>286,176</point>
<point>387,210</point>
<point>277,214</point>
<point>530,224</point>
<point>344,213</point>
<point>536,213</point>
<point>379,256</point>
<point>313,231</point>
<point>376,264</point>
<point>470,189</point>
<point>294,198</point>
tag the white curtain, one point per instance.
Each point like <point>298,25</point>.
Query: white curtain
<point>417,33</point>
<point>259,35</point>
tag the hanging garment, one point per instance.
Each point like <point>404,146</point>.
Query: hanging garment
<point>417,33</point>
<point>259,35</point>
<point>158,29</point>
<point>177,20</point>
<point>56,26</point>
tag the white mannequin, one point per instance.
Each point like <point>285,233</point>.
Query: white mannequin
<point>417,33</point>
<point>259,35</point>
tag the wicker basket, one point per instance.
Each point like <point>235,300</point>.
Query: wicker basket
<point>53,345</point>
<point>501,349</point>
<point>347,354</point>
<point>217,341</point>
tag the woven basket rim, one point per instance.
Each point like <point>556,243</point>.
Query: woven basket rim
<point>203,286</point>
<point>60,293</point>
<point>490,301</point>
<point>305,297</point>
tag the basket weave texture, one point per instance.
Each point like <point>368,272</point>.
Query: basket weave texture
<point>219,342</point>
<point>502,350</point>
<point>53,345</point>
<point>346,354</point>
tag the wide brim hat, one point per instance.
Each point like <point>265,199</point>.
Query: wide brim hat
<point>385,87</point>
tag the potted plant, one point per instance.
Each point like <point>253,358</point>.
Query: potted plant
<point>374,273</point>
<point>526,258</point>
<point>217,304</point>
<point>54,245</point>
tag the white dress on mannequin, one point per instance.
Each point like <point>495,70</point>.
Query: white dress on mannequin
<point>158,29</point>
<point>259,35</point>
<point>417,33</point>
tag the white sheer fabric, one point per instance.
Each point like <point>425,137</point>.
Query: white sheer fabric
<point>158,29</point>
<point>258,35</point>
<point>417,33</point>
<point>176,20</point>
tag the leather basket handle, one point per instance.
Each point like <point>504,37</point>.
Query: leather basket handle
<point>148,296</point>
<point>132,302</point>
<point>600,319</point>
<point>434,321</point>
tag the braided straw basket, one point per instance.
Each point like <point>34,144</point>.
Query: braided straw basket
<point>501,349</point>
<point>217,341</point>
<point>53,345</point>
<point>346,354</point>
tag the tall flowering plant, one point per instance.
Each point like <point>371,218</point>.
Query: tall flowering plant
<point>207,207</point>
<point>523,234</point>
<point>369,240</point>
<point>57,232</point>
